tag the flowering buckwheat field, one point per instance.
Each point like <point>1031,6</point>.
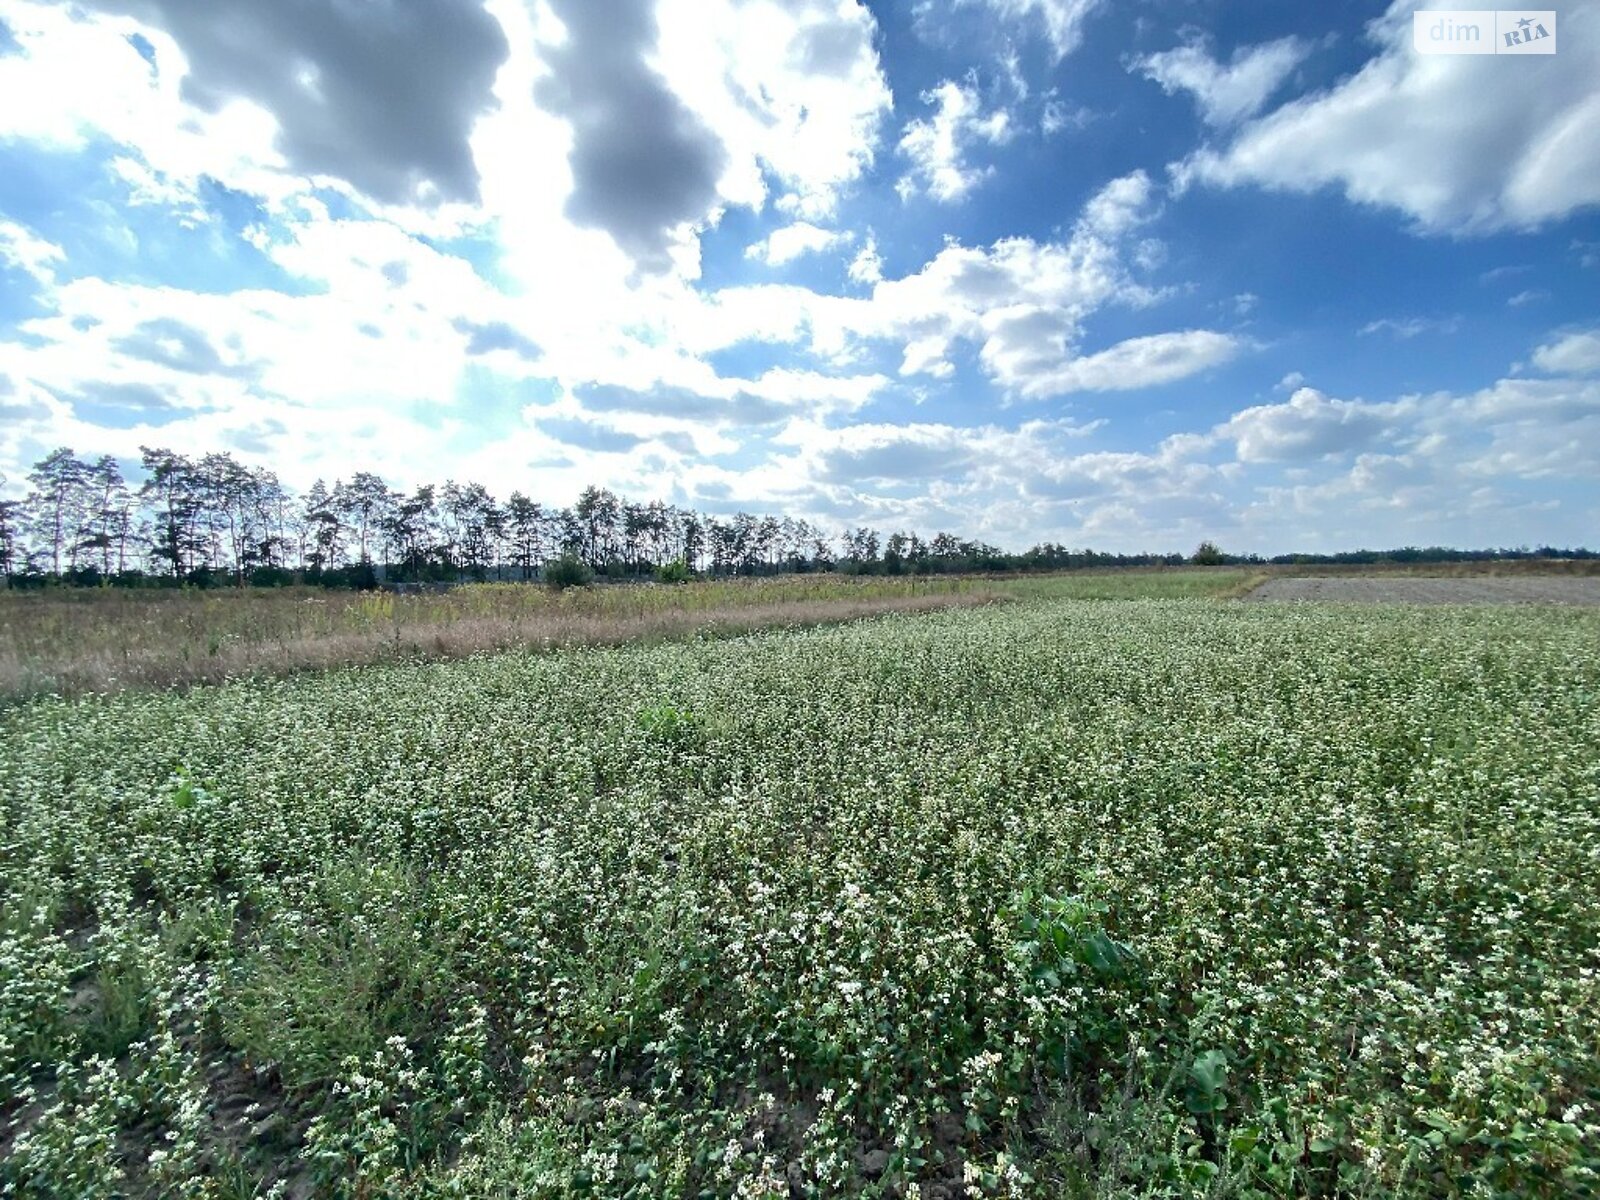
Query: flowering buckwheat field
<point>1060,898</point>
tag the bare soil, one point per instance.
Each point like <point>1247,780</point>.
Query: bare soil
<point>1527,589</point>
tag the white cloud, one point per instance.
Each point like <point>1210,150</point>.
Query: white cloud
<point>867,266</point>
<point>1309,425</point>
<point>1009,485</point>
<point>307,382</point>
<point>1020,302</point>
<point>1528,429</point>
<point>1463,144</point>
<point>1227,93</point>
<point>1571,354</point>
<point>1434,469</point>
<point>1506,272</point>
<point>1120,206</point>
<point>1061,21</point>
<point>77,78</point>
<point>794,89</point>
<point>701,400</point>
<point>1057,116</point>
<point>926,356</point>
<point>794,95</point>
<point>1150,254</point>
<point>1513,429</point>
<point>937,146</point>
<point>1406,328</point>
<point>25,250</point>
<point>810,125</point>
<point>789,243</point>
<point>1136,363</point>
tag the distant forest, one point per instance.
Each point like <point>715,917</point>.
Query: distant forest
<point>212,521</point>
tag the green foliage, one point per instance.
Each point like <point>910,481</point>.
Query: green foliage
<point>313,995</point>
<point>1062,937</point>
<point>676,571</point>
<point>668,724</point>
<point>1205,1085</point>
<point>1208,554</point>
<point>568,571</point>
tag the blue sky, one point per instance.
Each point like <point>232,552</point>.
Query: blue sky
<point>1120,275</point>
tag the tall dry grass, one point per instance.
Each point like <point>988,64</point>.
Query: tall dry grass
<point>71,642</point>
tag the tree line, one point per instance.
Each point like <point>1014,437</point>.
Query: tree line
<point>212,520</point>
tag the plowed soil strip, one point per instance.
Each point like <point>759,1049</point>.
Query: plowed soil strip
<point>1584,592</point>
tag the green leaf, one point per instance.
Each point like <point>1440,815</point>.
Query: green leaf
<point>1210,1070</point>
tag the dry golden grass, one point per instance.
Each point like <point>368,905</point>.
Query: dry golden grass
<point>74,642</point>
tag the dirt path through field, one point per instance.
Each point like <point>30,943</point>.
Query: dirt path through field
<point>1406,590</point>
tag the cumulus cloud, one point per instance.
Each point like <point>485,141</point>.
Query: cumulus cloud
<point>937,146</point>
<point>1514,428</point>
<point>77,81</point>
<point>1136,363</point>
<point>1571,354</point>
<point>642,162</point>
<point>681,403</point>
<point>172,343</point>
<point>1122,205</point>
<point>341,81</point>
<point>589,435</point>
<point>663,114</point>
<point>997,481</point>
<point>343,367</point>
<point>1528,429</point>
<point>1308,425</point>
<point>938,458</point>
<point>1225,92</point>
<point>777,396</point>
<point>793,90</point>
<point>785,245</point>
<point>867,265</point>
<point>896,454</point>
<point>1021,302</point>
<point>1450,140</point>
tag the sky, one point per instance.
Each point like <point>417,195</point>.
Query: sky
<point>1122,275</point>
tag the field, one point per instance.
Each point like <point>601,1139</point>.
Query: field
<point>1165,897</point>
<point>1378,589</point>
<point>69,641</point>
